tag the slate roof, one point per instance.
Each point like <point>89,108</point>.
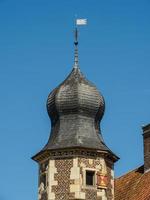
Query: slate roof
<point>76,108</point>
<point>134,185</point>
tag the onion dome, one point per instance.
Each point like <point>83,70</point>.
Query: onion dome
<point>75,108</point>
<point>76,95</point>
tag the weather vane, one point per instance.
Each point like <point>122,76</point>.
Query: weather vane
<point>78,22</point>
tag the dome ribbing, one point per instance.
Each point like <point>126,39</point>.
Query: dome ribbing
<point>75,108</point>
<point>75,95</point>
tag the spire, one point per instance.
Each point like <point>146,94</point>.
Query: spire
<point>78,22</point>
<point>76,59</point>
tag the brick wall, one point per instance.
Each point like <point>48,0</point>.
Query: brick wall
<point>62,190</point>
<point>66,179</point>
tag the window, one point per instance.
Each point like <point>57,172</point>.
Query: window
<point>90,178</point>
<point>43,180</point>
<point>43,175</point>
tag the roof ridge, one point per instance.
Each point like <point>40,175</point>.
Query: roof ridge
<point>128,172</point>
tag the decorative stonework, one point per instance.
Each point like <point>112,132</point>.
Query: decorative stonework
<point>66,177</point>
<point>43,182</point>
<point>69,153</point>
<point>41,190</point>
<point>104,168</point>
<point>102,180</point>
<point>101,195</point>
<point>110,187</point>
<point>97,165</point>
<point>112,183</point>
<point>77,180</point>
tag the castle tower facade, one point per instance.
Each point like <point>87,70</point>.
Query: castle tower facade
<point>76,164</point>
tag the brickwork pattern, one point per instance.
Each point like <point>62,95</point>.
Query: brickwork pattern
<point>90,194</point>
<point>62,177</point>
<point>62,190</point>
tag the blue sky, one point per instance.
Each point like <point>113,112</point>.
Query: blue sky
<point>36,54</point>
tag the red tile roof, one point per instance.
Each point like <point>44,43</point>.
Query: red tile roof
<point>134,185</point>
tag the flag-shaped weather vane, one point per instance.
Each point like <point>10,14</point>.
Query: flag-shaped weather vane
<point>78,22</point>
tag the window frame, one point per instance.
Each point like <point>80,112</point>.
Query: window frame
<point>92,173</point>
<point>94,178</point>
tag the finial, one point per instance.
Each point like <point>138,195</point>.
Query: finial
<point>76,61</point>
<point>78,22</point>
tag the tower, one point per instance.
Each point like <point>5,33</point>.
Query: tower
<point>75,164</point>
